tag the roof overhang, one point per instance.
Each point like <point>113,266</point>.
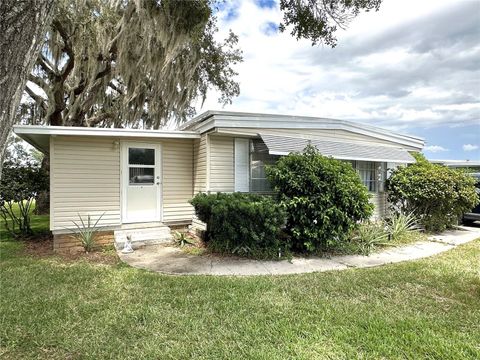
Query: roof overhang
<point>39,136</point>
<point>226,119</point>
<point>284,145</point>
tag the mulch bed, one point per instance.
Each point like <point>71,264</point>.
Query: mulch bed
<point>42,247</point>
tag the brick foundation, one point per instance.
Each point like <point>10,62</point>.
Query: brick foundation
<point>68,243</point>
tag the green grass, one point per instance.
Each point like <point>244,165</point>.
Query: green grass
<point>52,309</point>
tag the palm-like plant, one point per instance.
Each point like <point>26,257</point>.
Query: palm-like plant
<point>86,232</point>
<point>400,224</point>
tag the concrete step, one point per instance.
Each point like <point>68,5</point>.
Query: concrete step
<point>143,236</point>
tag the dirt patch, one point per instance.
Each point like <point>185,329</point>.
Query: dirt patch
<point>103,256</point>
<point>42,247</point>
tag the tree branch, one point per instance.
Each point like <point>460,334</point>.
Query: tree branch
<point>46,65</point>
<point>67,47</point>
<point>95,120</point>
<point>40,83</point>
<point>37,98</point>
<point>115,87</point>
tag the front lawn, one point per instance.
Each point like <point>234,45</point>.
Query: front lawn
<point>56,309</point>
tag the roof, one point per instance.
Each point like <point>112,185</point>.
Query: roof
<point>228,119</point>
<point>38,136</point>
<point>457,163</point>
<point>283,145</point>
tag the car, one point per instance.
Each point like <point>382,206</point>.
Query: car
<point>474,215</point>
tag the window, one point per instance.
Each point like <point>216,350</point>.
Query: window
<point>251,156</point>
<point>141,166</point>
<point>259,157</point>
<point>372,174</point>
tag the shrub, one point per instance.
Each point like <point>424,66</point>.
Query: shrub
<point>324,198</point>
<point>242,224</point>
<point>19,185</point>
<point>437,195</point>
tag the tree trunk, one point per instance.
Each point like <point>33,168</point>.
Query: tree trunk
<point>42,202</point>
<point>23,24</point>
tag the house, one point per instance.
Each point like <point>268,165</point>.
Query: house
<point>142,180</point>
<point>473,165</point>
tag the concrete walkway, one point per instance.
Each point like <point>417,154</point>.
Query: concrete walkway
<point>172,260</point>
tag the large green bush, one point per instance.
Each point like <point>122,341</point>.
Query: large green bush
<point>324,198</point>
<point>20,184</point>
<point>437,195</point>
<point>243,224</point>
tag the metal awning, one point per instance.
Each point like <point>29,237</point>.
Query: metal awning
<point>283,145</point>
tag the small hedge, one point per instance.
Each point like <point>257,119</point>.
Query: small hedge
<point>242,224</point>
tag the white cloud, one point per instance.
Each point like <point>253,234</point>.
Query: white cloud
<point>469,147</point>
<point>389,68</point>
<point>434,148</point>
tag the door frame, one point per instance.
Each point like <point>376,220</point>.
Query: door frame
<point>124,145</point>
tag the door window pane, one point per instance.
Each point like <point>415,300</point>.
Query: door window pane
<point>139,175</point>
<point>141,156</point>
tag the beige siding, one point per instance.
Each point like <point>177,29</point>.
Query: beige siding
<point>380,202</point>
<point>335,135</point>
<point>221,177</point>
<point>85,180</point>
<point>200,164</point>
<point>177,180</point>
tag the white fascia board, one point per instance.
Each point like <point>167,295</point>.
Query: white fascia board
<point>81,131</point>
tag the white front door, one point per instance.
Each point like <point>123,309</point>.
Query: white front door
<point>141,182</point>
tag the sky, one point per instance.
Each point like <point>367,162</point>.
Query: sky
<point>411,67</point>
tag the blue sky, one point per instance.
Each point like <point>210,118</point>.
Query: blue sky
<point>413,67</point>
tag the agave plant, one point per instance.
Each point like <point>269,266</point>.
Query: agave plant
<point>369,235</point>
<point>182,239</point>
<point>399,225</point>
<point>86,232</point>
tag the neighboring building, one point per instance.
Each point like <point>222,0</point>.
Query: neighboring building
<point>144,179</point>
<point>460,164</point>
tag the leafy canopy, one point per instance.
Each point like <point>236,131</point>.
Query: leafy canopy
<point>129,63</point>
<point>318,20</point>
<point>436,194</point>
<point>324,198</point>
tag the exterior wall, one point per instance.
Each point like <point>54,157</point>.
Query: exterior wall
<point>177,158</point>
<point>65,243</point>
<point>221,177</point>
<point>85,180</point>
<point>380,202</point>
<point>200,164</point>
